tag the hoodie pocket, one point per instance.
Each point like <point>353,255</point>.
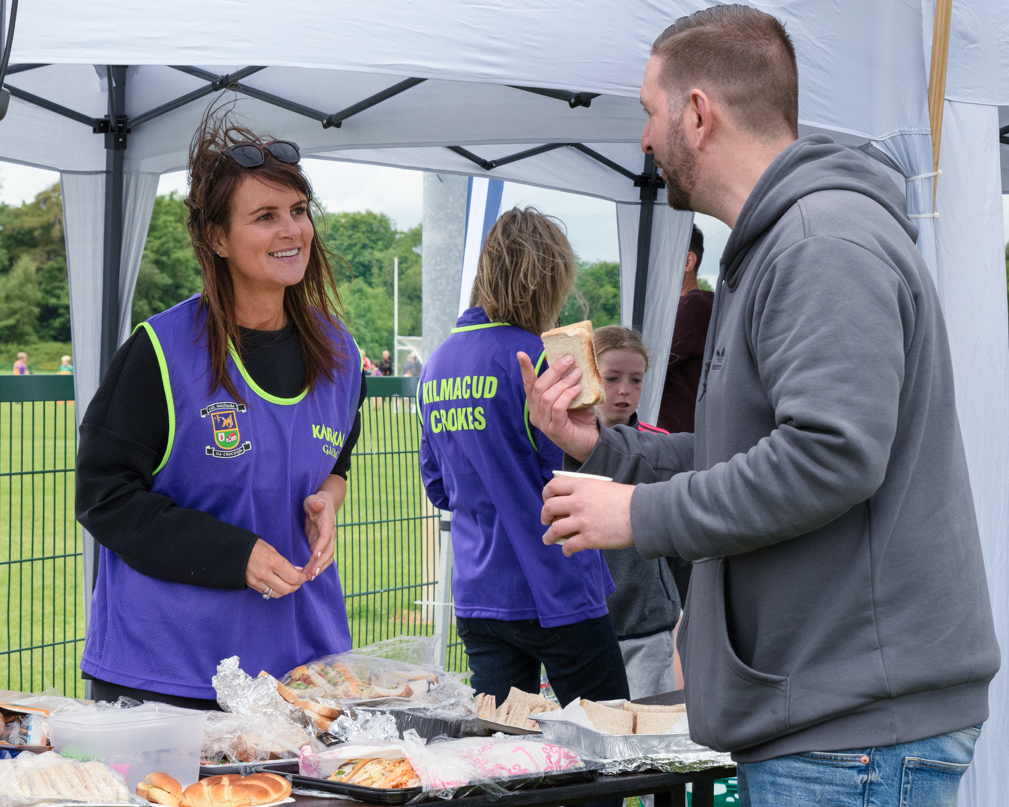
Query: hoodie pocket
<point>731,705</point>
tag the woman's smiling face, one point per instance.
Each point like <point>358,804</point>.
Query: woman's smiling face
<point>268,242</point>
<point>623,373</point>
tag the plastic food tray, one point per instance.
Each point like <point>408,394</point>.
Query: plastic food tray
<point>399,796</point>
<point>244,768</point>
<point>601,745</point>
<point>504,728</point>
<point>426,726</point>
<point>377,795</point>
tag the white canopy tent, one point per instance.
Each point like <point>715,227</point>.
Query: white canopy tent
<point>465,77</point>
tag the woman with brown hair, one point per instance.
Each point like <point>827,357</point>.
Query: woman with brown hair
<point>518,603</point>
<point>213,458</point>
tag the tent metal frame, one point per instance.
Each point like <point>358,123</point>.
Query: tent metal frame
<point>117,125</point>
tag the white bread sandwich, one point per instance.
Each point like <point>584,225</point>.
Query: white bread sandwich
<point>605,718</point>
<point>576,339</point>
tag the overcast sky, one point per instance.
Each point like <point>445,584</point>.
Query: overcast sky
<point>591,223</point>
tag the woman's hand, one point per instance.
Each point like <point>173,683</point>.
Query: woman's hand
<point>320,523</point>
<point>268,569</point>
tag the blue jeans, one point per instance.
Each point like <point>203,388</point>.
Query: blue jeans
<point>582,660</point>
<point>925,773</point>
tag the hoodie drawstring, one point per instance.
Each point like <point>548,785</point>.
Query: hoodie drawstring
<point>709,346</point>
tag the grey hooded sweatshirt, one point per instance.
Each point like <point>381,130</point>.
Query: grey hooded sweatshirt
<point>838,597</point>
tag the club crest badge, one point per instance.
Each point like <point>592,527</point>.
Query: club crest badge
<point>227,434</point>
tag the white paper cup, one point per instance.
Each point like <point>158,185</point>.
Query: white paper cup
<point>577,475</point>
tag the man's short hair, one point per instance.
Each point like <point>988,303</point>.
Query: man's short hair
<point>743,58</point>
<point>697,244</point>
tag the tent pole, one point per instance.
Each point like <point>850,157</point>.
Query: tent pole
<point>115,150</point>
<point>649,183</point>
<point>937,80</point>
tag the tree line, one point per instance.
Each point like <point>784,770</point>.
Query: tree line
<point>35,299</point>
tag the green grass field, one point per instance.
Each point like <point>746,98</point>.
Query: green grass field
<point>386,544</point>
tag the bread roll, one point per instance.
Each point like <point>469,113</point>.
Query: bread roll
<point>160,788</point>
<point>576,339</point>
<point>232,790</point>
<point>223,779</point>
<point>201,794</point>
<point>279,787</point>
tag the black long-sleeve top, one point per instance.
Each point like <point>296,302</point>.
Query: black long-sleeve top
<point>123,437</point>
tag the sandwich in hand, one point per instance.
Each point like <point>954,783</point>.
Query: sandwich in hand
<point>576,340</point>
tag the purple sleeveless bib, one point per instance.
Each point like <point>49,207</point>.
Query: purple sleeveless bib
<point>248,464</point>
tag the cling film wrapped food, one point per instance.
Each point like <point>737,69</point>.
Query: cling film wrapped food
<point>450,768</point>
<point>671,752</point>
<point>398,670</point>
<point>377,772</point>
<point>48,778</point>
<point>258,725</point>
<point>492,765</point>
<point>246,739</point>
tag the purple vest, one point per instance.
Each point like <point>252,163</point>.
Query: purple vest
<point>248,464</point>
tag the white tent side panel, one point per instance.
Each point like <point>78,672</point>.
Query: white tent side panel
<point>973,294</point>
<point>139,192</point>
<point>667,257</point>
<point>83,231</point>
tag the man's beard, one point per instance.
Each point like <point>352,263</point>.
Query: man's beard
<point>681,176</point>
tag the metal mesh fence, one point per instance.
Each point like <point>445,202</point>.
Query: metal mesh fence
<point>386,551</point>
<point>387,531</point>
<point>41,574</point>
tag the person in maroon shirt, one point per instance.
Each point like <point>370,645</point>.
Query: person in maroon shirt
<point>686,360</point>
<point>686,354</point>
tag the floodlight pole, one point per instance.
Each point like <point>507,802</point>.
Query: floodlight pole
<point>395,316</point>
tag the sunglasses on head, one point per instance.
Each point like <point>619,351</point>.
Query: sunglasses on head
<point>253,155</point>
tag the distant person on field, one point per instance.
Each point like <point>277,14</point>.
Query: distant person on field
<point>385,366</point>
<point>66,368</point>
<point>412,367</point>
<point>645,606</point>
<point>366,365</point>
<point>21,365</point>
<point>686,354</point>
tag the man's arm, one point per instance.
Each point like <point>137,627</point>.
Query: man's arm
<point>588,513</point>
<point>630,456</point>
<point>830,326</point>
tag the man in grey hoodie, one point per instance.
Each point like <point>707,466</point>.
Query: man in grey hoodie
<point>838,636</point>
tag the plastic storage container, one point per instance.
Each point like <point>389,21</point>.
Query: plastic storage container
<point>135,742</point>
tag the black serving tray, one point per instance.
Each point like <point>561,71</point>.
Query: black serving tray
<point>376,795</point>
<point>398,796</point>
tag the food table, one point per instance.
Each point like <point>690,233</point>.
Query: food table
<point>669,790</point>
